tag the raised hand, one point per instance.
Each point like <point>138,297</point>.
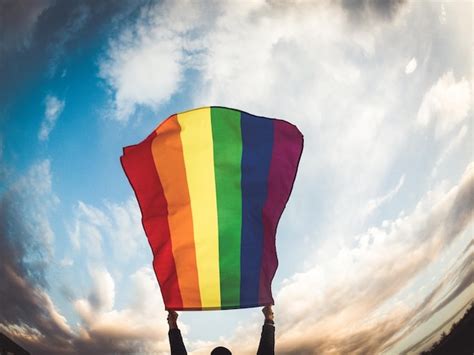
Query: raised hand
<point>172,319</point>
<point>268,312</point>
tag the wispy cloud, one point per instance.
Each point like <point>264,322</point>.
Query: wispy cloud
<point>445,105</point>
<point>119,223</point>
<point>454,144</point>
<point>373,204</point>
<point>53,109</point>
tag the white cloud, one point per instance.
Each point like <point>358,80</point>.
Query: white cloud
<point>445,105</point>
<point>146,73</point>
<point>146,63</point>
<point>86,231</point>
<point>93,215</point>
<point>125,229</point>
<point>119,223</point>
<point>138,328</point>
<point>411,66</point>
<point>54,108</point>
<point>103,296</point>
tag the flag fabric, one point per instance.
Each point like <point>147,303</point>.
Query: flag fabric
<point>212,184</point>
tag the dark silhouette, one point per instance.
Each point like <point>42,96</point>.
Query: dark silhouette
<point>220,350</point>
<point>265,347</point>
<point>460,339</point>
<point>8,346</point>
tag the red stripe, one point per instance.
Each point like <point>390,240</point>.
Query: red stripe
<point>137,162</point>
<point>287,149</point>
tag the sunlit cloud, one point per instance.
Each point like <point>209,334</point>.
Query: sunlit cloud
<point>350,287</point>
<point>138,328</point>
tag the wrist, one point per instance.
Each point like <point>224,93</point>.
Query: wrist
<point>269,321</point>
<point>269,317</point>
<point>173,325</point>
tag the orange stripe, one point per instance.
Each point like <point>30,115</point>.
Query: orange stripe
<point>167,153</point>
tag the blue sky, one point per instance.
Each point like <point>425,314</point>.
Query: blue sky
<point>378,231</point>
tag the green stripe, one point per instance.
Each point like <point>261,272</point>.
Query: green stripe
<point>227,140</point>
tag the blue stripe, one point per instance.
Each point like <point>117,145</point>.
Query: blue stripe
<point>257,145</point>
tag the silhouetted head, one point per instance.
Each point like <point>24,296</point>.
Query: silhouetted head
<point>220,350</point>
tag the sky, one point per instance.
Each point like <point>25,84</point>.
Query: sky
<point>375,246</point>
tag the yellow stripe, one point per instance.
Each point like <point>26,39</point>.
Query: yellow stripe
<point>196,137</point>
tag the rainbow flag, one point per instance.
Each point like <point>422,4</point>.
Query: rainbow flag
<point>212,184</point>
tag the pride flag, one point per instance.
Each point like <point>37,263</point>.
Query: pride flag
<point>212,184</point>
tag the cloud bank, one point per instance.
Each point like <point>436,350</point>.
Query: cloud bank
<point>383,262</point>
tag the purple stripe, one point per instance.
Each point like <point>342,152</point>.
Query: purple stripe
<point>287,149</point>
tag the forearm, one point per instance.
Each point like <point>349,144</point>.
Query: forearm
<point>176,342</point>
<point>174,335</point>
<point>267,338</point>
